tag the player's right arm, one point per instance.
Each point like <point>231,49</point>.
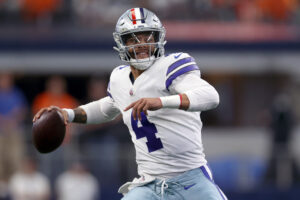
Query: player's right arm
<point>95,112</point>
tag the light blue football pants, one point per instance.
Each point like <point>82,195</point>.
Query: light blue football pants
<point>196,184</point>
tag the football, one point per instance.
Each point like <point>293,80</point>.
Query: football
<point>48,131</point>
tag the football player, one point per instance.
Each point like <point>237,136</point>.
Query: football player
<point>160,98</point>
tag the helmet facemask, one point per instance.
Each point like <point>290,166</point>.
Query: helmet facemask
<point>141,54</point>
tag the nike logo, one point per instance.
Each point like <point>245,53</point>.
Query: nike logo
<point>177,56</point>
<point>189,186</point>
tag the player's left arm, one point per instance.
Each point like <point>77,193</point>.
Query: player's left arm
<point>199,93</point>
<point>191,94</point>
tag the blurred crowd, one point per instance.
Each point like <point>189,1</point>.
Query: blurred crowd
<point>74,170</point>
<point>101,12</point>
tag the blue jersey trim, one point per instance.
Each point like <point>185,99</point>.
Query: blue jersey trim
<point>123,67</point>
<point>179,63</point>
<point>180,72</point>
<point>108,94</point>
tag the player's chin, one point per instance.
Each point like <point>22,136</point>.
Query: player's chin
<point>142,56</point>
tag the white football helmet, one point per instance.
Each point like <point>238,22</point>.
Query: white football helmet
<point>139,20</point>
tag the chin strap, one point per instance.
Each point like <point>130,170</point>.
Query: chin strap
<point>142,64</point>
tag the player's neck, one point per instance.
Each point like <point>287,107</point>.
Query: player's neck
<point>136,72</point>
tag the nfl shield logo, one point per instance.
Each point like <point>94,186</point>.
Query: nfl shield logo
<point>131,92</point>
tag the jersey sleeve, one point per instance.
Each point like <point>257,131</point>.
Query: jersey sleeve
<point>100,111</point>
<point>103,110</point>
<point>181,63</point>
<point>201,94</point>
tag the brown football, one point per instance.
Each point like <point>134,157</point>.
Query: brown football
<point>48,131</point>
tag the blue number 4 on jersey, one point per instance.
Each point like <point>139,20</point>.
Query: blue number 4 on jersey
<point>147,130</point>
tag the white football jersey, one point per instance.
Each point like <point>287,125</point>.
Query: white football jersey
<point>167,141</point>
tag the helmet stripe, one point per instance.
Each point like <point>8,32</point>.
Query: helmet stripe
<point>142,15</point>
<point>138,16</point>
<point>133,16</point>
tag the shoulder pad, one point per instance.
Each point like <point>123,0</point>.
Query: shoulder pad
<point>119,68</point>
<point>181,63</point>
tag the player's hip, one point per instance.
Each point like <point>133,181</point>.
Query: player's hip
<point>192,185</point>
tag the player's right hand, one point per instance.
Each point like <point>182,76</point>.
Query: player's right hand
<point>143,105</point>
<point>47,109</point>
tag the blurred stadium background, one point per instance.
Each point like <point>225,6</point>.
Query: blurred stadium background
<point>60,52</point>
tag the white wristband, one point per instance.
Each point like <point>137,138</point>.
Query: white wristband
<point>173,101</point>
<point>71,114</point>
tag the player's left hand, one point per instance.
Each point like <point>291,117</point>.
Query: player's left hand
<point>143,105</point>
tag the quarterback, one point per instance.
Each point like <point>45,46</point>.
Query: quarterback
<point>160,97</point>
